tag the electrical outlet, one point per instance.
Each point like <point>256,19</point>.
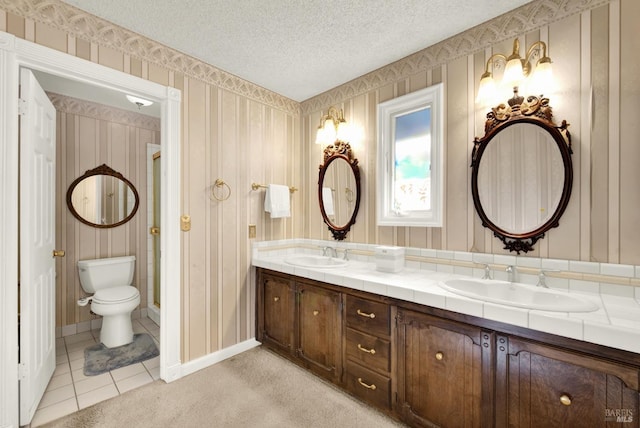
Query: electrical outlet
<point>252,231</point>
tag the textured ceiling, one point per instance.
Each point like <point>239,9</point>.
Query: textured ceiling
<point>298,48</point>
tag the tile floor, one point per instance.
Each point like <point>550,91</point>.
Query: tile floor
<point>70,390</point>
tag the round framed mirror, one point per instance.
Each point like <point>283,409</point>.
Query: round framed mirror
<point>522,173</point>
<point>339,189</point>
<point>102,198</point>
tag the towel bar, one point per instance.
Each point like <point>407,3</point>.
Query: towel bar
<point>256,186</point>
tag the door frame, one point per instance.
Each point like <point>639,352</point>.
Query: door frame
<point>14,54</point>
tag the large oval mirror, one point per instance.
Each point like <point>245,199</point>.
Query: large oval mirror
<point>339,189</point>
<point>522,173</point>
<point>102,198</point>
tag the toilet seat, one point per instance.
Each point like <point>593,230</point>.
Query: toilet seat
<point>115,295</point>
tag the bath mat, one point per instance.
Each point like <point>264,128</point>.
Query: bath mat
<point>99,359</point>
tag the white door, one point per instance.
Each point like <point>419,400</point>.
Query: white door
<point>37,239</point>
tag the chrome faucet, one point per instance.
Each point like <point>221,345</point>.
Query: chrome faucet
<point>487,272</point>
<point>332,252</point>
<point>511,271</point>
<point>346,254</point>
<point>542,278</point>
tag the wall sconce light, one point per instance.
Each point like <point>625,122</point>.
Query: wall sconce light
<point>332,127</point>
<point>516,70</point>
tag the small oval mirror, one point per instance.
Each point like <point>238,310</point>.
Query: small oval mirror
<point>102,198</point>
<point>339,189</point>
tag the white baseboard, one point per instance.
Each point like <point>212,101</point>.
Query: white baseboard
<point>216,357</point>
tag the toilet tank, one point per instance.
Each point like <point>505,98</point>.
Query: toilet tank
<point>96,274</point>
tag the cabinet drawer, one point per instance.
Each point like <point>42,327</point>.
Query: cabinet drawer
<point>367,315</point>
<point>370,351</point>
<point>369,386</point>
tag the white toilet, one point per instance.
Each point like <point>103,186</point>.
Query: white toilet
<point>113,297</point>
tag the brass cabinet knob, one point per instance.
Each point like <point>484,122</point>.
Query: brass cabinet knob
<point>371,387</point>
<point>439,356</point>
<point>565,399</point>
<point>275,299</point>
<point>315,313</point>
<point>366,315</point>
<point>154,230</point>
<point>58,253</point>
<point>368,351</point>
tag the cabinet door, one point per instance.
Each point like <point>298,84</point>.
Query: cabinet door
<point>542,386</point>
<point>279,306</point>
<point>320,330</point>
<point>439,371</point>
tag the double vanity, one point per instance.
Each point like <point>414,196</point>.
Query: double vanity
<point>442,349</point>
<point>440,343</point>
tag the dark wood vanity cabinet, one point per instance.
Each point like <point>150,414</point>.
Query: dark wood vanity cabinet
<point>431,367</point>
<point>440,372</point>
<point>541,386</point>
<point>301,321</point>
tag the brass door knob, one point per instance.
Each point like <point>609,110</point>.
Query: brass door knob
<point>565,399</point>
<point>58,253</point>
<point>439,356</point>
<point>315,313</point>
<point>275,299</point>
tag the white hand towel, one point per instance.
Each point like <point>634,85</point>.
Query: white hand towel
<point>327,200</point>
<point>276,201</point>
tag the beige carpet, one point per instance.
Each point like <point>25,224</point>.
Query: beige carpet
<point>254,389</point>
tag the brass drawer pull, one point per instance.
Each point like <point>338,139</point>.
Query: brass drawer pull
<point>366,315</point>
<point>369,351</point>
<point>371,387</point>
<point>275,299</point>
<point>565,399</point>
<point>439,356</point>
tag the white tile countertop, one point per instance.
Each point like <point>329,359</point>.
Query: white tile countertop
<point>615,324</point>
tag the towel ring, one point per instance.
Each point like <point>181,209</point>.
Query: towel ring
<point>219,183</point>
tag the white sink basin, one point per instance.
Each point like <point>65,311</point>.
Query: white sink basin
<point>518,295</point>
<point>311,261</point>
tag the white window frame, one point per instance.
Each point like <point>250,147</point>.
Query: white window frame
<point>433,98</point>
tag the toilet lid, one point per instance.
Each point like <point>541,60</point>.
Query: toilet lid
<point>116,294</point>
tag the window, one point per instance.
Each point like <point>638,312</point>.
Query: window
<point>410,159</point>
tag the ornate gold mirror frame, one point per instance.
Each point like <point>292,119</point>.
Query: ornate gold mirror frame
<point>340,151</point>
<point>534,111</point>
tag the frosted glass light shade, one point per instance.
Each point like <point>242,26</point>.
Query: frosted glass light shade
<point>327,133</point>
<point>513,73</point>
<point>343,132</point>
<point>139,101</point>
<point>542,78</point>
<point>486,90</point>
<point>543,71</point>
